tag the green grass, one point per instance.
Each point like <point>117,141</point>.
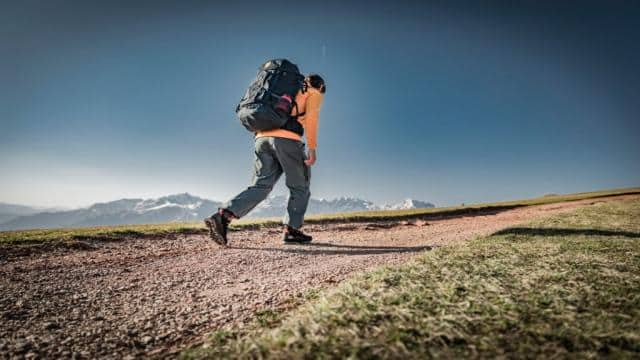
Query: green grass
<point>568,286</point>
<point>69,236</point>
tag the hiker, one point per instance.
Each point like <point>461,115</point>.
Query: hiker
<point>278,149</point>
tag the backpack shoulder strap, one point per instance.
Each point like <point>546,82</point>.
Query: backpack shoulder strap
<point>298,113</point>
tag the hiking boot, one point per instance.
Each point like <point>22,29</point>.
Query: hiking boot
<point>218,224</point>
<point>295,236</point>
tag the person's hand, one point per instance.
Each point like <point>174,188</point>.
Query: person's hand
<point>311,157</point>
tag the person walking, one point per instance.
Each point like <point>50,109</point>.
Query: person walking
<point>279,151</point>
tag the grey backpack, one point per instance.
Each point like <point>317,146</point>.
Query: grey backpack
<point>268,102</point>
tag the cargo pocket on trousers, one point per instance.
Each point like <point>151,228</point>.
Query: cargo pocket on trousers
<point>305,167</point>
<point>307,173</point>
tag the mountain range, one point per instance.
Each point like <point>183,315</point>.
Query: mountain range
<point>11,211</point>
<point>172,208</point>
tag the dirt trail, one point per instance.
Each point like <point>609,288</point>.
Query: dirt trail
<point>147,296</point>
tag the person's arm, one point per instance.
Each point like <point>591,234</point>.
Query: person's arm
<point>312,114</point>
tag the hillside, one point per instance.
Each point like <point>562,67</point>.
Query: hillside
<point>128,293</point>
<point>561,287</point>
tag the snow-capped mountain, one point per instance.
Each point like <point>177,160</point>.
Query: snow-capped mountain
<point>185,201</point>
<point>408,204</point>
<point>182,207</point>
<point>277,205</point>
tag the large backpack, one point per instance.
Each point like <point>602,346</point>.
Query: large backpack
<point>268,102</point>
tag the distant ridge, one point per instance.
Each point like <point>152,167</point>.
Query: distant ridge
<point>173,208</point>
<point>12,211</point>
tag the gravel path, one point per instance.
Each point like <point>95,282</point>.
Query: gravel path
<point>144,297</point>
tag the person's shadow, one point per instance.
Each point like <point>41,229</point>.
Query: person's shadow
<point>565,232</point>
<point>320,248</point>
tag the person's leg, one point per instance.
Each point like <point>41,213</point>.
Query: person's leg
<point>267,171</point>
<point>291,156</point>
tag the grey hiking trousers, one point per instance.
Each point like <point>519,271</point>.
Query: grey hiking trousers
<point>274,156</point>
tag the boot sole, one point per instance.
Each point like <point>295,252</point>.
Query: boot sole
<point>297,242</point>
<point>215,233</point>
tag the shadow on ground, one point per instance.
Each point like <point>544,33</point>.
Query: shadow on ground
<point>318,248</point>
<point>565,232</point>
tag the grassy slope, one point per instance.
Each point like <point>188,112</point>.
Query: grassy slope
<point>169,229</point>
<point>568,286</point>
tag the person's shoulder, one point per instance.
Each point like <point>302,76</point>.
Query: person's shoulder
<point>310,94</point>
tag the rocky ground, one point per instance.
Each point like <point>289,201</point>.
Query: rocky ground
<point>142,297</point>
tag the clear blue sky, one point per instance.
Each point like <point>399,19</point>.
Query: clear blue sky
<point>448,101</point>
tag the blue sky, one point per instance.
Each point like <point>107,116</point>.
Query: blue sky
<point>448,101</point>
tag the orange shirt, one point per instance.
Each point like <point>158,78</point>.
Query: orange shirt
<point>309,104</point>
